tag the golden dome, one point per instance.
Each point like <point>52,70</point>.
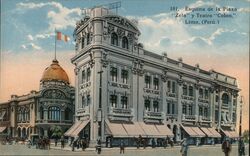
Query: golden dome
<point>55,72</point>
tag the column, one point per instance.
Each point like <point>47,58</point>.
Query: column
<point>179,93</point>
<point>231,108</point>
<point>212,105</point>
<point>178,134</point>
<point>164,99</point>
<point>45,114</point>
<point>62,115</point>
<point>140,101</point>
<point>196,112</point>
<point>134,94</point>
<point>220,103</point>
<point>151,105</point>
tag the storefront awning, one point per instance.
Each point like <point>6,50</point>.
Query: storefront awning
<point>214,132</point>
<point>207,132</point>
<point>193,131</point>
<point>2,129</point>
<point>230,134</point>
<point>115,129</point>
<point>76,128</point>
<point>164,130</point>
<point>151,131</point>
<point>134,130</point>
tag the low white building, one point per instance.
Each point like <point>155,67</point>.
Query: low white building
<point>123,90</point>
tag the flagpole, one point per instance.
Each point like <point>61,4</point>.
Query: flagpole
<point>55,42</point>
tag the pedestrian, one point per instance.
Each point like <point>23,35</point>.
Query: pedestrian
<point>241,148</point>
<point>74,145</point>
<point>99,146</point>
<point>226,147</point>
<point>184,147</point>
<point>122,147</point>
<point>62,142</point>
<point>153,143</point>
<point>55,141</point>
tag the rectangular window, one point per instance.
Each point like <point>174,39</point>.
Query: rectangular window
<point>201,93</point>
<point>83,101</point>
<point>173,87</point>
<point>190,109</point>
<point>168,108</point>
<point>124,102</point>
<point>83,76</point>
<point>184,109</point>
<point>156,83</point>
<point>83,42</point>
<point>124,76</point>
<point>147,81</point>
<point>173,108</point>
<point>88,74</point>
<point>191,91</point>
<point>156,106</point>
<point>113,101</point>
<point>200,111</point>
<point>88,100</point>
<point>169,86</point>
<point>234,117</point>
<point>216,115</point>
<point>184,88</point>
<point>113,74</point>
<point>206,94</point>
<point>147,105</point>
<point>216,98</point>
<point>205,112</point>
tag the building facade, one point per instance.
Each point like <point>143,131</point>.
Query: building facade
<point>35,113</point>
<point>122,88</point>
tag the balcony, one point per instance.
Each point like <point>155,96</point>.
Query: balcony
<point>186,97</point>
<point>4,123</point>
<point>172,116</point>
<point>85,85</point>
<point>43,121</point>
<point>202,100</point>
<point>153,115</point>
<point>119,85</point>
<point>204,119</point>
<point>121,112</point>
<point>151,91</point>
<point>224,106</point>
<point>173,95</point>
<point>188,117</point>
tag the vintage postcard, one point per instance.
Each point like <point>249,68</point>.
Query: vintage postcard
<point>132,77</point>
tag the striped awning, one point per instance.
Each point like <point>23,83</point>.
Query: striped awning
<point>192,131</point>
<point>230,134</point>
<point>76,128</point>
<point>2,129</point>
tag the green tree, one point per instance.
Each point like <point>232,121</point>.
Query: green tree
<point>246,136</point>
<point>56,132</point>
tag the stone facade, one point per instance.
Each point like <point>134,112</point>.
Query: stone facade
<point>117,79</point>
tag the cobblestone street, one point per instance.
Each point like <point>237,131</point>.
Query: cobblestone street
<point>193,151</point>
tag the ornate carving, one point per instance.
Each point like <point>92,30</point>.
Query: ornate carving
<point>54,94</point>
<point>164,76</point>
<point>104,60</point>
<point>120,32</point>
<point>111,29</point>
<point>121,21</point>
<point>76,70</point>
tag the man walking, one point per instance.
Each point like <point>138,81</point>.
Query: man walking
<point>62,142</point>
<point>226,147</point>
<point>184,147</point>
<point>122,147</point>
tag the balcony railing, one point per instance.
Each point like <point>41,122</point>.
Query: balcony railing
<point>188,117</point>
<point>152,91</point>
<point>202,100</point>
<point>54,121</point>
<point>154,115</point>
<point>120,112</point>
<point>171,94</point>
<point>85,85</point>
<point>120,85</point>
<point>204,119</point>
<point>186,97</point>
<point>171,116</point>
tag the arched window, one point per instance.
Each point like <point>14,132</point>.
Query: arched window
<point>225,98</point>
<point>54,113</point>
<point>114,39</point>
<point>125,42</point>
<point>67,114</point>
<point>41,112</point>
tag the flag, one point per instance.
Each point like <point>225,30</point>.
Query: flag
<point>61,36</point>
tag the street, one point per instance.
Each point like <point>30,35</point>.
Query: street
<point>193,151</point>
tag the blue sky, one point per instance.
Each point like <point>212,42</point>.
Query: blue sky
<point>27,37</point>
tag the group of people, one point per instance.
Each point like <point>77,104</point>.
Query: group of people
<point>154,142</point>
<point>79,143</point>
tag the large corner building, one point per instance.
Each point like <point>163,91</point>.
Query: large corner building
<point>123,91</point>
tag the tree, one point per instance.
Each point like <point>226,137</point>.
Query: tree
<point>246,136</point>
<point>56,132</point>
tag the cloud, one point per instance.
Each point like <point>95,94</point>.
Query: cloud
<point>60,18</point>
<point>36,47</point>
<point>24,46</point>
<point>30,37</point>
<point>31,46</point>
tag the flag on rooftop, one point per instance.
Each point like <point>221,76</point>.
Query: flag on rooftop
<point>61,36</point>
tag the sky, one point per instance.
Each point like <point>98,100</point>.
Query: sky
<point>28,38</point>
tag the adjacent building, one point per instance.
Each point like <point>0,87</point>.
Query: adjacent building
<point>35,113</point>
<point>124,91</point>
